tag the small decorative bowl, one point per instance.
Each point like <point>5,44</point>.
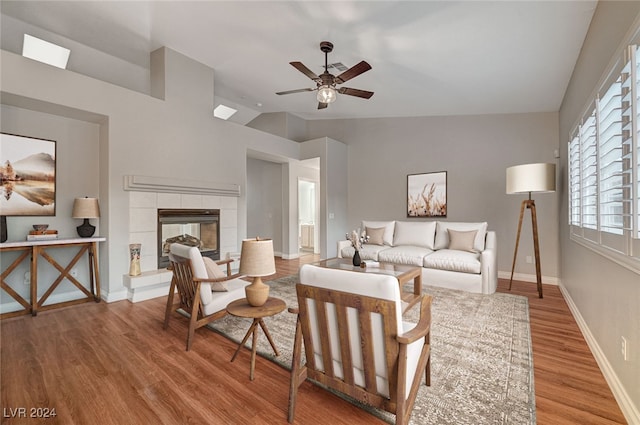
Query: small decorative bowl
<point>41,228</point>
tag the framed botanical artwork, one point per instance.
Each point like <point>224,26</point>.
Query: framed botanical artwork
<point>427,194</point>
<point>28,174</point>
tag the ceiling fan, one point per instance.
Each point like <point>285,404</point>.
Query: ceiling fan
<point>326,82</point>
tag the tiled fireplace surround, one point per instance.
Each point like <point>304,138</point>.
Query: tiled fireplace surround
<point>143,219</point>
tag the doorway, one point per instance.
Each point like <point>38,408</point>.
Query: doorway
<point>307,217</point>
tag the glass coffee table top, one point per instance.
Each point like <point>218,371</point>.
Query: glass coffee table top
<point>404,274</point>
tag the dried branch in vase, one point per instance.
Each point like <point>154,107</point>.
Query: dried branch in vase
<point>357,238</point>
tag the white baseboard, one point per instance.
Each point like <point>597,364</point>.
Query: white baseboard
<point>548,280</point>
<point>290,256</point>
<point>629,409</point>
<point>113,296</point>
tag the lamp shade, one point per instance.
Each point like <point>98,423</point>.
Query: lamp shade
<point>326,94</point>
<point>531,178</point>
<point>256,257</point>
<point>85,208</point>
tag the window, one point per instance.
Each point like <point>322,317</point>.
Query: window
<point>604,169</point>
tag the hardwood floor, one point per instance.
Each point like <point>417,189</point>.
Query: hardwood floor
<point>113,364</point>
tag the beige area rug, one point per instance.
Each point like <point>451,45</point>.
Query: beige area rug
<point>481,359</point>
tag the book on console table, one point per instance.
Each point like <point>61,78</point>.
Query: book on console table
<point>42,236</point>
<point>369,263</point>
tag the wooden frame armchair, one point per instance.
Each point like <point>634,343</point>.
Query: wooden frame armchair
<point>356,342</point>
<point>193,285</point>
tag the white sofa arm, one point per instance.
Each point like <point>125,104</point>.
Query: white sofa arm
<point>342,245</point>
<point>489,264</point>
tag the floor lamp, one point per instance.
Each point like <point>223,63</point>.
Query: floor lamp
<point>530,178</point>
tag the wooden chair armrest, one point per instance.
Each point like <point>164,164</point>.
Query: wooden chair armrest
<point>423,327</point>
<point>226,261</point>
<point>294,310</point>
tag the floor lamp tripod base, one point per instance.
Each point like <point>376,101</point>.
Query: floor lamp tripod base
<point>530,205</point>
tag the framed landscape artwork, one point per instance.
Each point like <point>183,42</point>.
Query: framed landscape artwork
<point>427,194</point>
<point>28,174</point>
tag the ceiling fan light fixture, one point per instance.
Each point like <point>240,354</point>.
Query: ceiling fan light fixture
<point>326,94</point>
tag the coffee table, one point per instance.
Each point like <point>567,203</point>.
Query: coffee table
<point>404,274</point>
<point>241,308</point>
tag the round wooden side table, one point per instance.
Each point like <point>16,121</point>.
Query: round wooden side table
<point>241,308</point>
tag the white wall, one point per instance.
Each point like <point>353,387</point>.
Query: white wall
<point>475,151</point>
<point>264,201</point>
<point>142,135</point>
<point>605,295</point>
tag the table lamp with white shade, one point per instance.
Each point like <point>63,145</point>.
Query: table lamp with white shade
<point>528,178</point>
<point>257,260</point>
<point>86,208</point>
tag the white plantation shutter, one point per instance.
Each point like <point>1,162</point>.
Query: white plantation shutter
<point>574,182</point>
<point>610,173</point>
<point>631,147</point>
<point>589,172</point>
<point>604,168</point>
<point>635,150</point>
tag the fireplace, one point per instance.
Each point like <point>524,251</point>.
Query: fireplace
<point>193,227</point>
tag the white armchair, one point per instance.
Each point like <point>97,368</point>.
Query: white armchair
<point>193,279</point>
<point>356,342</point>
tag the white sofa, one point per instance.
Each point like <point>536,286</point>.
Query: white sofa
<point>467,261</point>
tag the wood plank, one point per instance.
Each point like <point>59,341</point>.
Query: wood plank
<point>114,364</point>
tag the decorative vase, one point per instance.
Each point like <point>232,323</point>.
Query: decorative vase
<point>356,259</point>
<point>134,252</point>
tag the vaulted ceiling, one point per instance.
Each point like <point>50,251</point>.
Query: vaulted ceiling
<point>427,57</point>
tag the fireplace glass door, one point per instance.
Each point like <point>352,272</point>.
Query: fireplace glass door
<point>198,228</point>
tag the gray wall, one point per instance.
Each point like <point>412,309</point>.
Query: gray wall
<point>264,201</point>
<point>141,135</point>
<point>77,162</point>
<point>606,295</point>
<point>474,151</point>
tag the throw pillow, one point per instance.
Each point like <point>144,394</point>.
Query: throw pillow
<point>214,272</point>
<point>462,241</point>
<point>416,233</point>
<point>375,234</point>
<point>442,236</point>
<point>387,239</point>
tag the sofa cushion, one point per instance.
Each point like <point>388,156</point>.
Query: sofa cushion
<point>462,241</point>
<point>442,235</point>
<point>389,226</point>
<point>367,252</point>
<point>416,233</point>
<point>215,272</point>
<point>376,235</point>
<point>453,260</point>
<point>406,254</point>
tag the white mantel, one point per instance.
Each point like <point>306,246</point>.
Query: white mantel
<point>172,185</point>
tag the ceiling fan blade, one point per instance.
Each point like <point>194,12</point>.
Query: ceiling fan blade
<point>322,105</point>
<point>355,92</point>
<point>354,71</point>
<point>306,71</point>
<point>294,91</point>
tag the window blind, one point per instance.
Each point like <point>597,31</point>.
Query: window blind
<point>574,181</point>
<point>589,172</point>
<point>610,167</point>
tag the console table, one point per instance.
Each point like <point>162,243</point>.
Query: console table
<point>36,249</point>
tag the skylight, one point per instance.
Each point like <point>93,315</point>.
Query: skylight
<point>43,51</point>
<point>223,112</point>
